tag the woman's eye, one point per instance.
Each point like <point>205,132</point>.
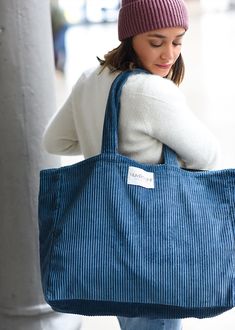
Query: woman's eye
<point>177,43</point>
<point>155,45</point>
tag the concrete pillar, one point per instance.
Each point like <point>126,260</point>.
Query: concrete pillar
<point>27,101</point>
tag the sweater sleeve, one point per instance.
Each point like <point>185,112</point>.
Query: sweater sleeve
<point>60,136</point>
<point>168,119</point>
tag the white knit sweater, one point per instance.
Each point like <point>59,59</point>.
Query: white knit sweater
<point>153,112</point>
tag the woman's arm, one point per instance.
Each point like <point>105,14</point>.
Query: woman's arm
<point>169,120</point>
<point>177,127</point>
<point>60,136</point>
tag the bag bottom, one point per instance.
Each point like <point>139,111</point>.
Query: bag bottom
<point>107,308</point>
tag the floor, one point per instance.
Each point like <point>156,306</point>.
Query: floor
<point>209,53</point>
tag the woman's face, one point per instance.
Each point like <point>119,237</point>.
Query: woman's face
<point>158,50</point>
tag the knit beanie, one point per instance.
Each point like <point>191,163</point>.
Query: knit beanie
<point>139,16</point>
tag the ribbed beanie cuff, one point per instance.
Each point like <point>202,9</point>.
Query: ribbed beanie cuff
<point>139,16</point>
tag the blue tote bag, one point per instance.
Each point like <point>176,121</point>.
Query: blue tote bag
<point>118,237</point>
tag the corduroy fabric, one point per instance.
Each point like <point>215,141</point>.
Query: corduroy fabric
<point>109,248</point>
<point>139,16</point>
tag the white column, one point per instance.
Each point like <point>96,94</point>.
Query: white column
<point>27,101</point>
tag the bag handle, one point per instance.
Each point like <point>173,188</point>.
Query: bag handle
<point>110,128</point>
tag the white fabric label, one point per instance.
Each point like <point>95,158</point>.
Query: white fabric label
<point>139,177</point>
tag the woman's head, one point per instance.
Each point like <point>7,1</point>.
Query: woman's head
<point>151,33</point>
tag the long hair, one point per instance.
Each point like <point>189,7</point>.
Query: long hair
<point>124,58</point>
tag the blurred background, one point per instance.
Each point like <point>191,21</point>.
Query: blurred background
<point>89,29</point>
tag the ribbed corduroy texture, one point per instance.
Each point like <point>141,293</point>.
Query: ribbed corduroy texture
<point>109,248</point>
<point>139,16</point>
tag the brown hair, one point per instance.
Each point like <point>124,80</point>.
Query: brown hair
<point>124,58</point>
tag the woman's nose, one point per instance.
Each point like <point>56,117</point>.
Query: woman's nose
<point>167,53</point>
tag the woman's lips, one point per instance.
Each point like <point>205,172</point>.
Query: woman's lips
<point>163,66</point>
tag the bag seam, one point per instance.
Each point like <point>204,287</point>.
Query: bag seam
<point>56,217</point>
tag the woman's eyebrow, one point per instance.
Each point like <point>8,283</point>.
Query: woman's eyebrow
<point>157,35</point>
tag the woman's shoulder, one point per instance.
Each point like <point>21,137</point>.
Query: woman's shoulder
<point>86,75</point>
<point>92,86</point>
<point>95,77</point>
<point>153,86</point>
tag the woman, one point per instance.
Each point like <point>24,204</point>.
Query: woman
<point>153,110</point>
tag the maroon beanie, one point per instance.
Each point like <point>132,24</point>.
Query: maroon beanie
<point>139,16</point>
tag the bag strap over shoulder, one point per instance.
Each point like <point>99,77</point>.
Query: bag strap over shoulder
<point>110,129</point>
